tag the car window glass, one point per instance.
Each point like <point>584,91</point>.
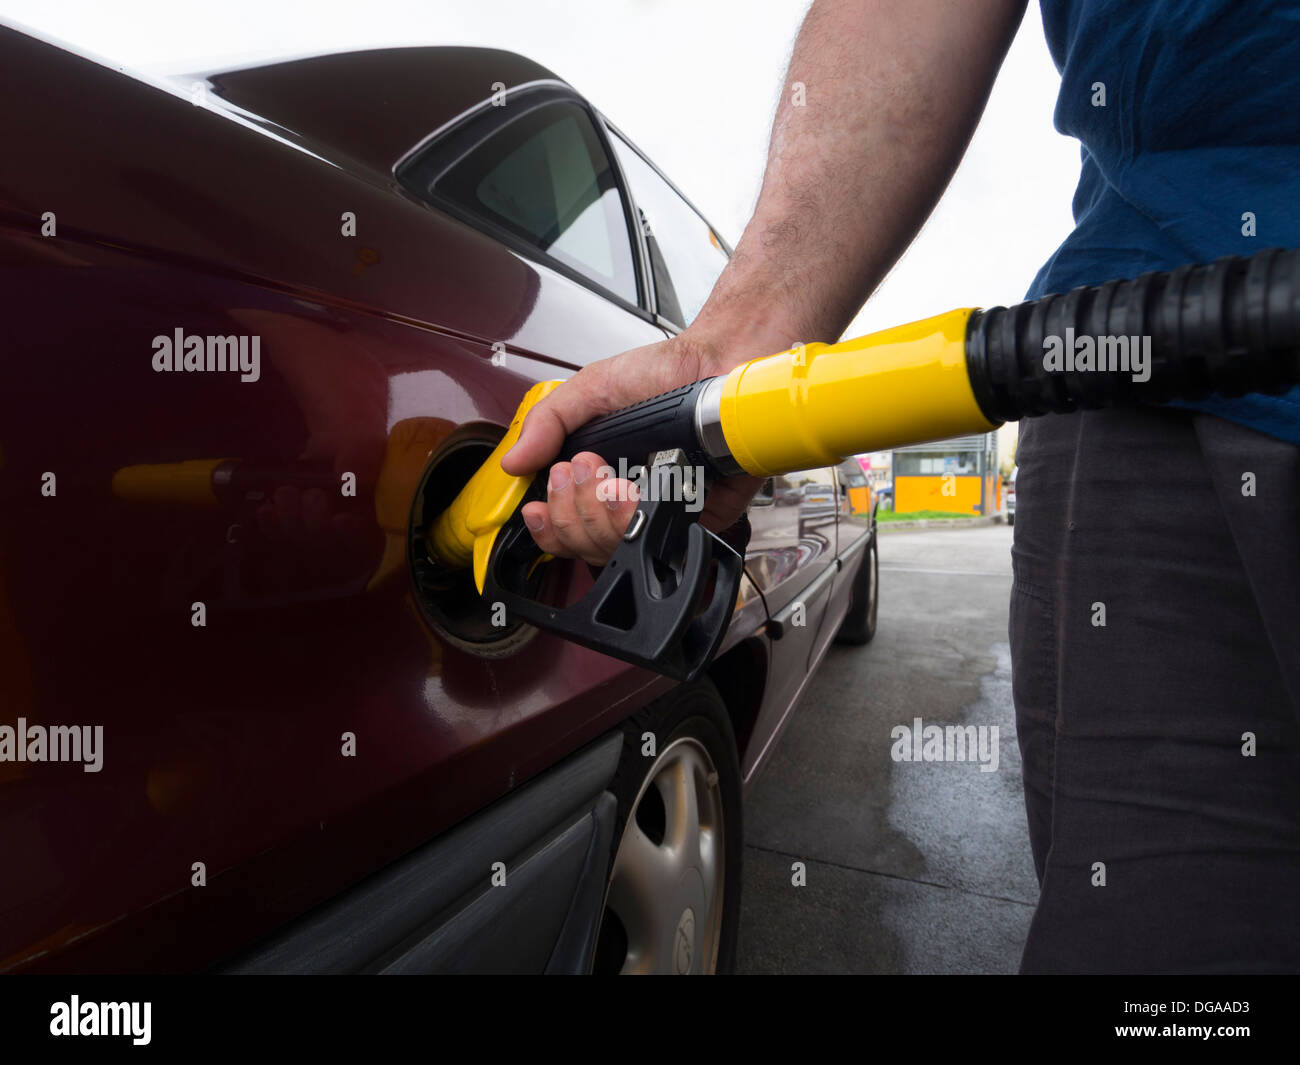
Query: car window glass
<point>546,179</point>
<point>685,254</point>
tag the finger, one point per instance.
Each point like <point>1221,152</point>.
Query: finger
<point>537,518</point>
<point>727,500</point>
<point>598,388</point>
<point>562,513</point>
<point>622,506</point>
<point>540,439</point>
<point>620,497</point>
<point>594,488</point>
<point>583,397</point>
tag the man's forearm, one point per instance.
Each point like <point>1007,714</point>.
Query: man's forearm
<point>879,103</point>
<point>880,100</point>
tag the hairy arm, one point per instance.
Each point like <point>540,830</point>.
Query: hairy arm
<point>880,100</point>
<point>892,91</point>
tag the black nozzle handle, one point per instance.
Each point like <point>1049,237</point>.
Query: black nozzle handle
<point>660,423</point>
<point>1229,327</point>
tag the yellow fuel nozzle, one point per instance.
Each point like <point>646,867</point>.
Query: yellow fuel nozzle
<point>817,403</point>
<point>962,372</point>
<point>666,597</point>
<point>795,410</point>
<point>464,533</point>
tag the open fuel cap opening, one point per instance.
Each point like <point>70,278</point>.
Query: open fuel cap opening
<point>447,595</point>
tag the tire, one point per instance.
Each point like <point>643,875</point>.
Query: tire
<point>1011,519</point>
<point>859,624</point>
<point>661,914</point>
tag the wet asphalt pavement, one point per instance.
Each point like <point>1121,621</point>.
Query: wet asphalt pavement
<point>911,866</point>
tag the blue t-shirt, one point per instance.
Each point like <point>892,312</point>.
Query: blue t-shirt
<point>1189,116</point>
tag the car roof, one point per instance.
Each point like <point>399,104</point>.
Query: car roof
<point>375,105</point>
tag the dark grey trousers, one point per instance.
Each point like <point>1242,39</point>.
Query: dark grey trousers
<point>1155,640</point>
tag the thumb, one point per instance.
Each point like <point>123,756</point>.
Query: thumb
<point>540,438</point>
<point>594,390</point>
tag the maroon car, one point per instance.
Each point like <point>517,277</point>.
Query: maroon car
<point>260,325</point>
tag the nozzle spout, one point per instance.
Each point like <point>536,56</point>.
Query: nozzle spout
<point>464,533</point>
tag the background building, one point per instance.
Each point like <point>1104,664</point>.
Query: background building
<point>958,475</point>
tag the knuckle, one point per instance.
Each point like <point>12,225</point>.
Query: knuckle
<point>589,511</point>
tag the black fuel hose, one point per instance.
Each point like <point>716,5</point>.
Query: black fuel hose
<point>1229,327</point>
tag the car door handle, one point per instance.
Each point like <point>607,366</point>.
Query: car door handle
<point>780,622</point>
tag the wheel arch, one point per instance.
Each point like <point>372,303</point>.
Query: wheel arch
<point>740,675</point>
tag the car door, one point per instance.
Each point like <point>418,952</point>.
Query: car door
<point>280,719</point>
<point>791,553</point>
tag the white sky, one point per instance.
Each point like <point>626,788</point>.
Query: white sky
<point>693,82</point>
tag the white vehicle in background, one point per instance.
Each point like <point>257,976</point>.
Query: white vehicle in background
<point>1011,496</point>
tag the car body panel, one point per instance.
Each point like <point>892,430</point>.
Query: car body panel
<point>226,743</point>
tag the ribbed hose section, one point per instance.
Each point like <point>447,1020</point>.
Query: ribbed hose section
<point>1229,327</point>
